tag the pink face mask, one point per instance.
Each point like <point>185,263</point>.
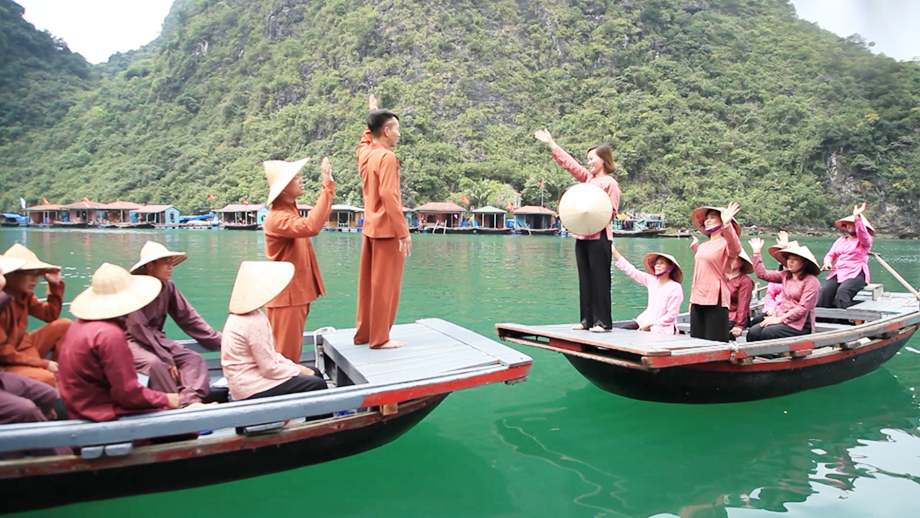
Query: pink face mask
<point>666,272</point>
<point>713,229</point>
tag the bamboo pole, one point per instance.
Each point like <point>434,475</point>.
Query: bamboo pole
<point>896,275</point>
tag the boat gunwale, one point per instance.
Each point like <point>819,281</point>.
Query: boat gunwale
<point>892,325</point>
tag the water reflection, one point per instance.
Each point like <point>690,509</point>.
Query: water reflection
<point>705,460</point>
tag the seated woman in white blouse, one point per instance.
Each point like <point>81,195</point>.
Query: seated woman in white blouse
<point>247,351</point>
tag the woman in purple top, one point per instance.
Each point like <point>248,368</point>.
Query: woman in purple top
<point>796,315</point>
<point>172,367</point>
<point>848,261</point>
<point>592,253</point>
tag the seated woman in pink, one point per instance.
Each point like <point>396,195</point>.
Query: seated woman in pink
<point>774,297</point>
<point>848,261</point>
<point>665,294</point>
<point>247,354</point>
<point>740,289</point>
<point>796,315</point>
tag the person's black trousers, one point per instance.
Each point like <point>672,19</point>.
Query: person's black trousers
<point>709,322</point>
<point>593,259</point>
<point>835,294</point>
<point>772,332</point>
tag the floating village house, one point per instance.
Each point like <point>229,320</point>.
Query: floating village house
<point>534,218</point>
<point>156,214</point>
<point>85,211</point>
<point>118,211</point>
<point>345,216</point>
<point>440,213</point>
<point>241,215</point>
<point>304,209</point>
<point>44,214</point>
<point>490,217</point>
<point>411,217</point>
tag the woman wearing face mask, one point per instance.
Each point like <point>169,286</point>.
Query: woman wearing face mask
<point>709,293</point>
<point>665,294</point>
<point>796,315</point>
<point>592,253</point>
<point>848,261</point>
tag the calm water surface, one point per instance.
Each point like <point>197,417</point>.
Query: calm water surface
<point>556,445</point>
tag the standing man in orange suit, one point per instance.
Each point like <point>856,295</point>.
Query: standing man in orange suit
<point>386,241</point>
<point>287,238</point>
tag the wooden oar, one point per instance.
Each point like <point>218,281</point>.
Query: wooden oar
<point>896,275</point>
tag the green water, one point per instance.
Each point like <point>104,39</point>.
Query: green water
<point>556,445</point>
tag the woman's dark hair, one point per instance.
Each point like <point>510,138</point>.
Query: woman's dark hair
<point>377,119</point>
<point>605,153</point>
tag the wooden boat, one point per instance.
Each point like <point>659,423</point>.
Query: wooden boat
<point>475,230</point>
<point>638,227</point>
<point>537,231</point>
<point>379,395</point>
<point>69,224</point>
<point>241,226</point>
<point>681,369</point>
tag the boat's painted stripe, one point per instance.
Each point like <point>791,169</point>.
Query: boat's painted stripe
<point>395,396</point>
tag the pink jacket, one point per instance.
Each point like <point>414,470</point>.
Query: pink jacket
<point>849,255</point>
<point>663,301</point>
<point>800,296</point>
<point>606,182</point>
<point>712,264</point>
<point>774,296</point>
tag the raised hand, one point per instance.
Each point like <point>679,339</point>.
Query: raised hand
<point>756,245</point>
<point>372,102</point>
<point>729,212</point>
<point>782,239</point>
<point>544,136</point>
<point>326,168</point>
<point>858,209</point>
<point>53,276</point>
<point>694,242</point>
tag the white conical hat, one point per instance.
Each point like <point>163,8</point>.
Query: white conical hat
<point>775,250</point>
<point>257,283</point>
<point>279,174</point>
<point>151,251</point>
<point>850,219</point>
<point>748,266</point>
<point>805,253</point>
<point>114,292</point>
<point>32,262</point>
<point>676,274</point>
<point>585,209</point>
<point>10,264</point>
<point>698,217</point>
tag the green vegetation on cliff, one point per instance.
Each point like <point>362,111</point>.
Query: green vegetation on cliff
<point>703,100</point>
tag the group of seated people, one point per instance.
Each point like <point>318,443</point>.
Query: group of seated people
<point>721,292</point>
<point>115,359</point>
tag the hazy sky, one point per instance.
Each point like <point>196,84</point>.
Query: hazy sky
<point>98,28</point>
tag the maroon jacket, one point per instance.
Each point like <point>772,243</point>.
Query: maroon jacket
<point>96,374</point>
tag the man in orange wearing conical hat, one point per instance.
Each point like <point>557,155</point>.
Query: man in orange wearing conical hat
<point>22,352</point>
<point>287,238</point>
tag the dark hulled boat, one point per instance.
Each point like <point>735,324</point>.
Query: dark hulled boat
<point>681,369</point>
<point>379,395</point>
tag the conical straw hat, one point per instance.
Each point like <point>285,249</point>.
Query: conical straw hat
<point>850,219</point>
<point>18,251</point>
<point>10,264</point>
<point>279,174</point>
<point>698,216</point>
<point>152,251</point>
<point>677,274</point>
<point>748,266</point>
<point>257,283</point>
<point>585,209</point>
<point>811,264</point>
<point>113,293</point>
<point>775,250</point>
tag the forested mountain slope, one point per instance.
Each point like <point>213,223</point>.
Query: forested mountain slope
<point>703,100</point>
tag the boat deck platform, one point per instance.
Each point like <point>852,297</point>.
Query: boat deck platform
<point>882,319</point>
<point>434,347</point>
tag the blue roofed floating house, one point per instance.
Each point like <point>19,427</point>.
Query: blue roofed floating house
<point>345,217</point>
<point>156,215</point>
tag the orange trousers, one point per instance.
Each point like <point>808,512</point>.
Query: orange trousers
<point>39,343</point>
<point>379,282</point>
<point>287,328</point>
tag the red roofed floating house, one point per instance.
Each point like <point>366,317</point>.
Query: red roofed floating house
<point>440,214</point>
<point>533,220</point>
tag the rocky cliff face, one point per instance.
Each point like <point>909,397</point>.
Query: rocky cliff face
<point>704,101</point>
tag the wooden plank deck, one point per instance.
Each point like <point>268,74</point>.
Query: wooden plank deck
<point>433,347</point>
<point>642,344</point>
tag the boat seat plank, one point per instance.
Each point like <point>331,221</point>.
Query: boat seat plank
<point>433,347</point>
<point>629,341</point>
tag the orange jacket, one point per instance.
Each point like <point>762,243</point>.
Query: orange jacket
<point>14,321</point>
<point>383,209</point>
<point>287,238</point>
